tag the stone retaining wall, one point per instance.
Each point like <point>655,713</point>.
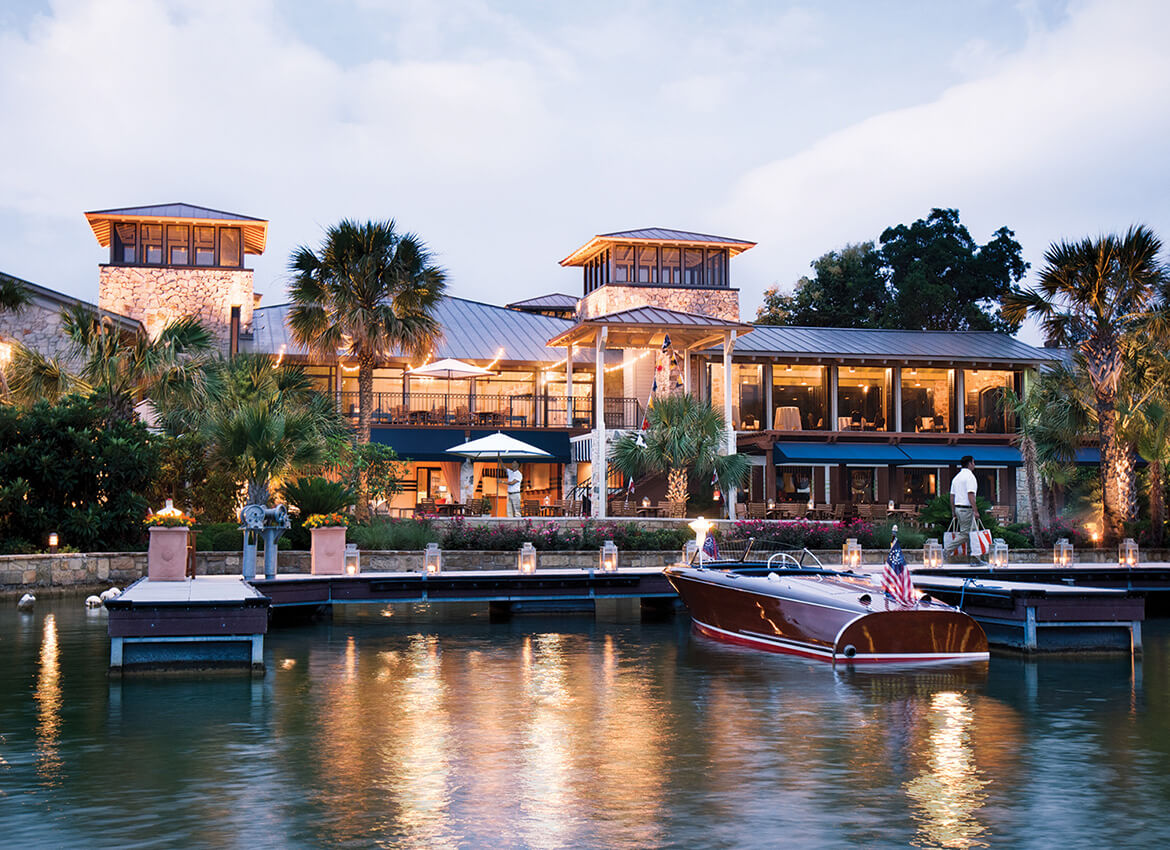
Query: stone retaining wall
<point>102,569</point>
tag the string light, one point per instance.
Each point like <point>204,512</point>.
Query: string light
<point>280,354</point>
<point>623,365</point>
<point>499,354</point>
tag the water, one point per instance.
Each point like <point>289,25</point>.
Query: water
<point>408,731</point>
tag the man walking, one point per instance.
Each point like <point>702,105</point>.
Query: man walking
<point>515,477</point>
<point>963,508</point>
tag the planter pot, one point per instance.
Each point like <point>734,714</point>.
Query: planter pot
<point>166,559</point>
<point>328,556</point>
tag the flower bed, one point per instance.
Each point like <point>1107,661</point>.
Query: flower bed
<point>552,536</point>
<point>802,533</point>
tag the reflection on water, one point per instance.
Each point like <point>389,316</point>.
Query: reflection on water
<point>948,791</point>
<point>558,733</point>
<point>48,699</point>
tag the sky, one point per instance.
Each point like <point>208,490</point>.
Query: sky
<point>507,134</point>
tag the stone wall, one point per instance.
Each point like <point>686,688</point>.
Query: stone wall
<point>156,295</point>
<point>612,298</point>
<point>37,326</point>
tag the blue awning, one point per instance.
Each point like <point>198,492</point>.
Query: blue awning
<point>878,454</point>
<point>1088,454</point>
<point>950,455</point>
<point>431,444</point>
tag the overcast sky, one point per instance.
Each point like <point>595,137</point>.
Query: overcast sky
<point>506,134</point>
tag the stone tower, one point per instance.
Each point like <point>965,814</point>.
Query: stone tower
<point>174,260</point>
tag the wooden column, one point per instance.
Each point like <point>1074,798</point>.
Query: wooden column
<point>728,346</point>
<point>960,402</point>
<point>833,398</point>
<point>600,466</point>
<point>569,387</point>
<point>896,391</point>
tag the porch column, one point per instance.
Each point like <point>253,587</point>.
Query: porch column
<point>687,388</point>
<point>569,387</point>
<point>960,402</point>
<point>728,346</point>
<point>600,465</point>
<point>833,398</point>
<point>897,393</point>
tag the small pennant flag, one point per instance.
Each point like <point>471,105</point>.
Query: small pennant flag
<point>896,580</point>
<point>666,342</point>
<point>710,547</point>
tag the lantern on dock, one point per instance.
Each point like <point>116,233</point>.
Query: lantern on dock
<point>932,553</point>
<point>998,557</point>
<point>609,557</point>
<point>1062,553</point>
<point>688,551</point>
<point>526,558</point>
<point>851,554</point>
<point>432,559</point>
<point>353,559</point>
<point>1127,553</point>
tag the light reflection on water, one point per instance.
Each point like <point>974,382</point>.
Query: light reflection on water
<point>409,732</point>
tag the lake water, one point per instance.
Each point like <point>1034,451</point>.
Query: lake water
<point>562,732</point>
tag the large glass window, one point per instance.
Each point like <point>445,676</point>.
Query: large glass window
<point>716,267</point>
<point>747,394</point>
<point>863,398</point>
<point>152,243</point>
<point>178,244</point>
<point>672,266</point>
<point>919,486</point>
<point>623,263</point>
<point>693,267</point>
<point>799,397</point>
<point>229,246</point>
<point>985,407</point>
<point>862,481</point>
<point>794,483</point>
<point>125,243</point>
<point>204,246</point>
<point>647,264</point>
<point>927,400</point>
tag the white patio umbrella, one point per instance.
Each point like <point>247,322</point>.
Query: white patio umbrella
<point>449,368</point>
<point>499,446</point>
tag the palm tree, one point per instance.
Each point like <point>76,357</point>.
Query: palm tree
<point>369,291</point>
<point>14,296</point>
<point>119,367</point>
<point>1094,295</point>
<point>684,438</point>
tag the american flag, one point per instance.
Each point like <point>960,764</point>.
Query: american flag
<point>896,576</point>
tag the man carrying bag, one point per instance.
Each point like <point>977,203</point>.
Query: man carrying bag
<point>963,509</point>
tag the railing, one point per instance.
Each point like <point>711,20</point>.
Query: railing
<point>491,411</point>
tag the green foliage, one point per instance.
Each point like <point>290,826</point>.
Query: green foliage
<point>188,478</point>
<point>220,537</point>
<point>317,495</point>
<point>383,534</point>
<point>803,533</point>
<point>378,462</point>
<point>69,468</point>
<point>553,536</point>
<point>929,275</point>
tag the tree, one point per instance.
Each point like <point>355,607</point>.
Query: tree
<point>1097,295</point>
<point>120,368</point>
<point>929,275</point>
<point>847,290</point>
<point>684,436</point>
<point>367,292</point>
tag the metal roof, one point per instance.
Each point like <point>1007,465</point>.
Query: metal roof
<point>255,229</point>
<point>552,301</point>
<point>62,301</point>
<point>642,327</point>
<point>869,344</point>
<point>472,331</point>
<point>660,316</point>
<point>656,235</point>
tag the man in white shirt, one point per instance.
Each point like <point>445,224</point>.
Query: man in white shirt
<point>963,507</point>
<point>515,477</point>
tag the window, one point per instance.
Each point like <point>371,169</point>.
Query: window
<point>125,243</point>
<point>919,486</point>
<point>693,267</point>
<point>799,395</point>
<point>794,483</point>
<point>229,246</point>
<point>204,246</point>
<point>985,408</point>
<point>647,265</point>
<point>672,266</point>
<point>152,244</point>
<point>747,394</point>
<point>178,244</point>
<point>862,483</point>
<point>987,484</point>
<point>716,263</point>
<point>863,398</point>
<point>926,400</point>
<point>623,263</point>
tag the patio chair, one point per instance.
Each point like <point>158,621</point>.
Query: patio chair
<point>530,507</point>
<point>672,510</point>
<point>757,510</point>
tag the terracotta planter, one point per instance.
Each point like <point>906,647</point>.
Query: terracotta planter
<point>166,559</point>
<point>328,556</point>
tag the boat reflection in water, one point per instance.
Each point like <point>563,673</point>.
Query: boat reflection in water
<point>836,616</point>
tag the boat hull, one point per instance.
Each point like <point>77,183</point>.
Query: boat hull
<point>820,617</point>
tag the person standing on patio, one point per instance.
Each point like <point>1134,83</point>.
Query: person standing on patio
<point>963,506</point>
<point>515,478</point>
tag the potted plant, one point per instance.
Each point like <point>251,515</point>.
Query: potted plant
<point>166,558</point>
<point>328,543</point>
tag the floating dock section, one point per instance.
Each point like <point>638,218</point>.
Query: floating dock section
<point>1033,617</point>
<point>205,622</point>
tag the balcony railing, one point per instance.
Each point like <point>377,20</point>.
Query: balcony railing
<point>461,410</point>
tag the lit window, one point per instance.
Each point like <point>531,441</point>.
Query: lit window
<point>125,243</point>
<point>152,248</point>
<point>693,267</point>
<point>623,263</point>
<point>229,246</point>
<point>647,265</point>
<point>205,246</point>
<point>178,244</point>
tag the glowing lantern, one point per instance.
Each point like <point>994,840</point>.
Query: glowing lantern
<point>53,540</point>
<point>998,557</point>
<point>526,558</point>
<point>609,557</point>
<point>432,559</point>
<point>932,553</point>
<point>1062,553</point>
<point>851,554</point>
<point>1127,553</point>
<point>353,559</point>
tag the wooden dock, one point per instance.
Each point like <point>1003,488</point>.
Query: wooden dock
<point>209,621</point>
<point>1044,617</point>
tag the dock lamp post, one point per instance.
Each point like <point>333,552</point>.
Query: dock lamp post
<point>1127,553</point>
<point>432,559</point>
<point>700,526</point>
<point>526,558</point>
<point>609,557</point>
<point>1062,553</point>
<point>999,553</point>
<point>53,540</point>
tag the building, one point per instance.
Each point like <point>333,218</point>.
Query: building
<point>828,416</point>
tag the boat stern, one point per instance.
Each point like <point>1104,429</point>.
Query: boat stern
<point>911,636</point>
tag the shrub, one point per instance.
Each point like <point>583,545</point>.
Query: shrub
<point>803,533</point>
<point>381,534</point>
<point>219,537</point>
<point>551,536</point>
<point>317,495</point>
<point>1062,527</point>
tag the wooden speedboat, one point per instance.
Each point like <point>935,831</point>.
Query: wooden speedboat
<point>835,616</point>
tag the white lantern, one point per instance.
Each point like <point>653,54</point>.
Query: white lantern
<point>353,559</point>
<point>609,557</point>
<point>1062,553</point>
<point>645,501</point>
<point>433,559</point>
<point>1127,553</point>
<point>851,554</point>
<point>526,558</point>
<point>999,553</point>
<point>932,553</point>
